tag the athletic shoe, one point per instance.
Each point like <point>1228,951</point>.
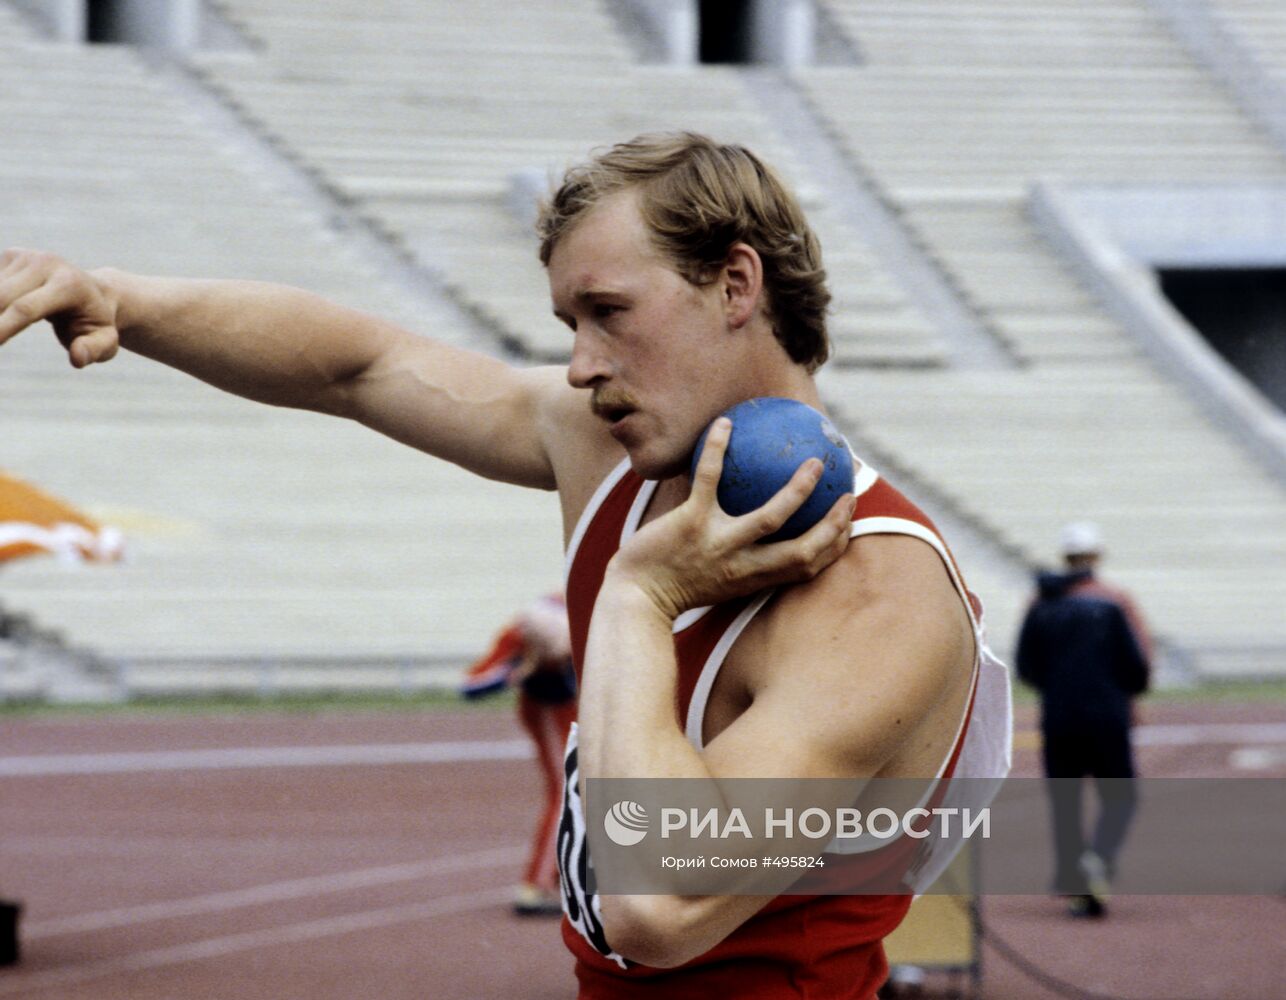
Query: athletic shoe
<point>1097,880</point>
<point>530,901</point>
<point>1085,907</point>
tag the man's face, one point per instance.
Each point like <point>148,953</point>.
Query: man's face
<point>655,350</point>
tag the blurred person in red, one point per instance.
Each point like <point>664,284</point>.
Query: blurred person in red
<point>533,654</point>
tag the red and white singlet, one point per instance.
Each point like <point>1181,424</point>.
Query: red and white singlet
<point>812,946</point>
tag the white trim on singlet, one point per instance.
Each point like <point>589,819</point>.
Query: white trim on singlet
<point>587,515</point>
<point>694,724</point>
<point>863,479</point>
<point>905,526</point>
<point>635,516</point>
<point>689,618</point>
<point>632,520</point>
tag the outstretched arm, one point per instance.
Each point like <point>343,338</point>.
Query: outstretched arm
<point>288,347</point>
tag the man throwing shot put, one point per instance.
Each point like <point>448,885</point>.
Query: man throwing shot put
<point>690,281</point>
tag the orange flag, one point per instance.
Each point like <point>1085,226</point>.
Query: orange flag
<point>34,523</point>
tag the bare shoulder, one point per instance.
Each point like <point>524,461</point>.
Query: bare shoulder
<point>890,592</point>
<point>580,450</point>
<point>875,653</point>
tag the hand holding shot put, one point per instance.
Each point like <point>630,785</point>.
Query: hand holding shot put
<point>691,282</point>
<point>700,555</point>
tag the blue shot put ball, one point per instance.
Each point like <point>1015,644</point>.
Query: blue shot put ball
<point>771,439</point>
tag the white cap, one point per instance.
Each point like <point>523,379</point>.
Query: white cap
<point>1080,538</point>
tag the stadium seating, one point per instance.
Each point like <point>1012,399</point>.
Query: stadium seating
<point>1260,25</point>
<point>14,25</point>
<point>420,118</point>
<point>414,116</point>
<point>252,531</point>
<point>961,106</point>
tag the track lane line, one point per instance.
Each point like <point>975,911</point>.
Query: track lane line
<point>463,751</point>
<point>445,752</point>
<point>1197,733</point>
<point>228,944</point>
<point>270,892</point>
<point>1183,734</point>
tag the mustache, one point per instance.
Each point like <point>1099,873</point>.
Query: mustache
<point>606,401</point>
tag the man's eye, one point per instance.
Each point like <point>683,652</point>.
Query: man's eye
<point>603,310</point>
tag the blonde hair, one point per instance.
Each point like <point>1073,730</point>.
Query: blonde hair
<point>697,198</point>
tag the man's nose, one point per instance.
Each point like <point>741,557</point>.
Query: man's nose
<point>588,366</point>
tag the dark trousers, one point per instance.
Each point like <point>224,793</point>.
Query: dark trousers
<point>9,949</point>
<point>1104,755</point>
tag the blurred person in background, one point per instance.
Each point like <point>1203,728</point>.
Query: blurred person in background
<point>533,654</point>
<point>1084,647</point>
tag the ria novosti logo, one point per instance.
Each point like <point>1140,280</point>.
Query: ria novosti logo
<point>626,823</point>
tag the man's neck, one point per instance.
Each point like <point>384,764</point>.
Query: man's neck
<point>669,494</point>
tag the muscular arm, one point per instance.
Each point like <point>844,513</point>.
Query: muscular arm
<point>852,669</point>
<point>852,663</point>
<point>288,347</point>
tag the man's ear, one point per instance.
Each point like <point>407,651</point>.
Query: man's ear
<point>743,281</point>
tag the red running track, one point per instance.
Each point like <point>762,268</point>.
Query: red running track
<point>313,880</point>
<point>299,867</point>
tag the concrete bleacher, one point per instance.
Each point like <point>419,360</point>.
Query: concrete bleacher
<point>960,107</point>
<point>421,114</point>
<point>1260,25</point>
<point>260,533</point>
<point>252,531</point>
<point>1190,529</point>
<point>15,25</point>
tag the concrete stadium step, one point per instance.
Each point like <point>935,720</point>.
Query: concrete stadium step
<point>249,528</point>
<point>503,118</point>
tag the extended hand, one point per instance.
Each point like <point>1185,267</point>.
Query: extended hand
<point>698,555</point>
<point>37,286</point>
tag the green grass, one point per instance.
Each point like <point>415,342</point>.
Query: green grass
<point>1226,691</point>
<point>1212,693</point>
<point>1255,692</point>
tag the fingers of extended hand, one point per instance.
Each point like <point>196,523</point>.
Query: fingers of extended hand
<point>29,308</point>
<point>37,286</point>
<point>90,348</point>
<point>20,267</point>
<point>20,257</point>
<point>32,287</point>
